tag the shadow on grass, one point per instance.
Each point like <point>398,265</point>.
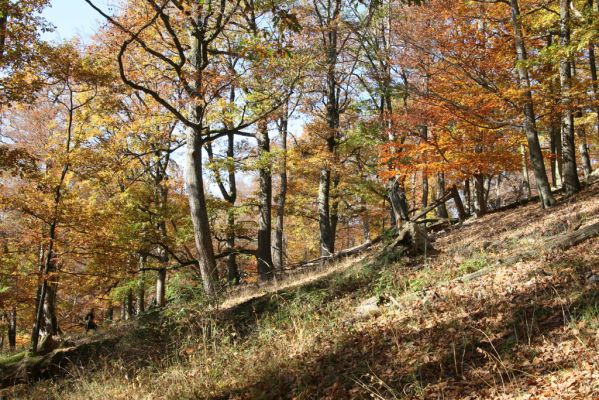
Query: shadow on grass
<point>399,362</point>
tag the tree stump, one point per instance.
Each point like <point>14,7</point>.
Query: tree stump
<point>413,238</point>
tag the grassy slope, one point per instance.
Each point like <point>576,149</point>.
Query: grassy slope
<point>528,329</point>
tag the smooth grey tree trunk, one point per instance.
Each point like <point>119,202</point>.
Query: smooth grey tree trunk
<point>194,177</point>
<point>530,125</point>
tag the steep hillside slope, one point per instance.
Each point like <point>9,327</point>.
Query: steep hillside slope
<point>496,310</point>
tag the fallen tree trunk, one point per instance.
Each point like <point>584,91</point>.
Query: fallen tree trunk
<point>341,254</point>
<point>430,208</point>
<point>567,240</point>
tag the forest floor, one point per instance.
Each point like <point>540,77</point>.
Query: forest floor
<point>491,313</point>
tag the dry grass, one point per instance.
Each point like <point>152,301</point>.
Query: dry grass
<point>291,280</point>
<point>520,331</point>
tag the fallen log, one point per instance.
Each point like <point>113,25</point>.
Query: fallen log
<point>352,251</point>
<point>443,199</point>
<point>567,240</point>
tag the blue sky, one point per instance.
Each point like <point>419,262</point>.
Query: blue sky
<point>73,18</point>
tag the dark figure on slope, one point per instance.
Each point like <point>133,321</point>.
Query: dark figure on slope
<point>89,321</point>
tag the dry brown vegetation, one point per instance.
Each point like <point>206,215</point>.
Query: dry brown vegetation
<point>524,329</point>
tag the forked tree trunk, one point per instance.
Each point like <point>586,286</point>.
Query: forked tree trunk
<point>530,126</point>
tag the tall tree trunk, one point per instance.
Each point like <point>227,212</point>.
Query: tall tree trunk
<point>199,212</point>
<point>4,4</point>
<point>194,178</point>
<point>50,325</point>
<point>279,253</point>
<point>441,208</point>
<point>583,146</point>
<point>468,195</point>
<point>324,220</point>
<point>141,288</point>
<point>365,220</point>
<point>162,199</point>
<point>263,253</point>
<point>571,183</point>
<point>334,210</point>
<point>327,235</point>
<point>498,191</point>
<point>459,205</point>
<point>584,153</point>
<point>555,134</point>
<point>556,151</point>
<point>110,312</point>
<point>525,174</point>
<point>161,287</point>
<point>479,189</point>
<point>230,196</point>
<point>530,127</point>
<point>594,8</point>
<point>12,328</point>
<point>424,137</point>
<point>128,305</point>
<point>399,203</point>
<point>233,275</point>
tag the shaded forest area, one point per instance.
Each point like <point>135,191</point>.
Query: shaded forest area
<point>202,174</point>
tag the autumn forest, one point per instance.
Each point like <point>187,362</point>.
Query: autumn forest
<point>193,151</point>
